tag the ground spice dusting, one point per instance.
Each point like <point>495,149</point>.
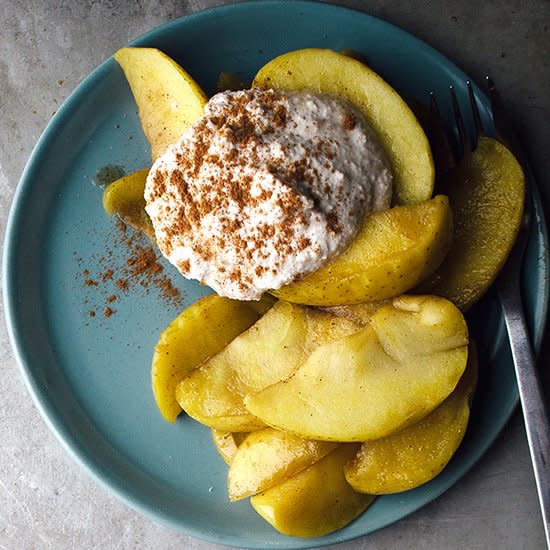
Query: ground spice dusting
<point>349,122</point>
<point>122,284</point>
<point>121,225</point>
<point>242,132</point>
<point>140,266</point>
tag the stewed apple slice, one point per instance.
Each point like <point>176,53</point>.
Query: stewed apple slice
<point>411,457</point>
<point>271,350</point>
<point>316,501</point>
<point>124,197</point>
<point>227,443</point>
<point>358,313</point>
<point>393,252</point>
<point>400,134</point>
<point>486,193</point>
<point>374,382</point>
<point>169,101</point>
<point>267,457</point>
<point>199,332</point>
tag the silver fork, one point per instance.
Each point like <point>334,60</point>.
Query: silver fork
<point>507,284</point>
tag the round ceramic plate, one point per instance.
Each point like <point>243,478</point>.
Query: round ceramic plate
<point>90,375</point>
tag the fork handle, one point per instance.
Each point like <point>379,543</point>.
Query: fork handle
<point>532,400</point>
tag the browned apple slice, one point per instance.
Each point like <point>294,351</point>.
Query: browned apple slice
<point>486,193</point>
<point>169,101</point>
<point>196,334</point>
<point>375,381</point>
<point>267,457</point>
<point>316,501</point>
<point>328,72</point>
<point>271,350</point>
<point>393,252</point>
<point>411,457</point>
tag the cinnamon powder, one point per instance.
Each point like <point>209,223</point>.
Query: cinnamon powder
<point>140,265</point>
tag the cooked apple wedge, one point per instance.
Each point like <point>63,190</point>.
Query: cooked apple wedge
<point>124,197</point>
<point>196,334</point>
<point>271,350</point>
<point>169,101</point>
<point>227,443</point>
<point>393,252</point>
<point>337,74</point>
<point>268,457</point>
<point>486,193</point>
<point>316,501</point>
<point>357,313</point>
<point>415,455</point>
<point>376,381</point>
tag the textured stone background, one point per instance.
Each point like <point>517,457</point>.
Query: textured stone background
<point>46,48</point>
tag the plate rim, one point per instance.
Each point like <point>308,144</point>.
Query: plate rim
<point>38,153</point>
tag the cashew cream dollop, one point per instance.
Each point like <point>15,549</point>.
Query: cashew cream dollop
<point>265,188</point>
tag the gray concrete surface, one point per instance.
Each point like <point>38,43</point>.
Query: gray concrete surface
<point>46,48</point>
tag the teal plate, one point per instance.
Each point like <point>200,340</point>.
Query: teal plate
<point>90,376</point>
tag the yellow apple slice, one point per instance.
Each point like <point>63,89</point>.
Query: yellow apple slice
<point>196,334</point>
<point>486,193</point>
<point>271,350</point>
<point>415,455</point>
<point>357,313</point>
<point>399,132</point>
<point>393,252</point>
<point>316,501</point>
<point>169,101</point>
<point>376,381</point>
<point>267,457</point>
<point>124,197</point>
<point>227,443</point>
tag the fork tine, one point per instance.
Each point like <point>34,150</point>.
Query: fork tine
<point>463,138</point>
<point>475,113</point>
<point>444,157</point>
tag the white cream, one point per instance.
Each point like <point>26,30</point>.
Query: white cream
<point>265,188</point>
